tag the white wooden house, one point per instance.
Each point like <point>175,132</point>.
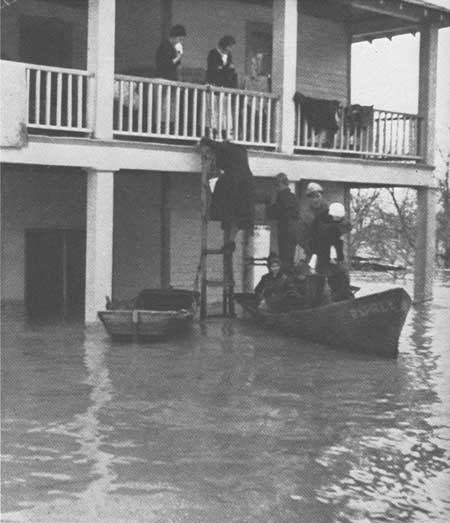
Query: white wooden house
<point>100,187</point>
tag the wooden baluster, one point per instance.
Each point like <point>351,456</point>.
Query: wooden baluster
<point>236,116</point>
<point>80,101</point>
<point>245,118</point>
<point>37,111</point>
<point>159,101</point>
<point>260,121</point>
<point>121,103</point>
<point>150,108</point>
<point>69,100</point>
<point>48,102</point>
<point>177,111</point>
<point>140,106</point>
<point>194,116</point>
<point>269,121</point>
<point>253,120</point>
<point>58,99</point>
<point>130,105</point>
<point>185,111</point>
<point>167,109</point>
<point>405,121</point>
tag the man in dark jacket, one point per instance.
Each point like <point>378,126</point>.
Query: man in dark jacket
<point>276,290</point>
<point>285,212</point>
<point>169,53</point>
<point>220,68</point>
<point>325,236</point>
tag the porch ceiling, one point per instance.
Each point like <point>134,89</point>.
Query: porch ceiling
<point>370,19</point>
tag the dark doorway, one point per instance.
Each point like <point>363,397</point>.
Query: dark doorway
<point>55,274</point>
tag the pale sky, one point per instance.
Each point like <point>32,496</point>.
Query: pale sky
<point>385,74</point>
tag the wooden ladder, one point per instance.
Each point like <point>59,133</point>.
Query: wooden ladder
<point>227,281</point>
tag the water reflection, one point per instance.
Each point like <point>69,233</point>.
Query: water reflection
<point>231,423</point>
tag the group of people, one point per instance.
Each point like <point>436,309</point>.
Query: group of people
<point>298,283</point>
<point>220,69</point>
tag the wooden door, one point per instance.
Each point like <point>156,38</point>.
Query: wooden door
<point>54,274</point>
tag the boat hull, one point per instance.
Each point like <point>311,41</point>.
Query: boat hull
<point>143,324</point>
<point>371,324</point>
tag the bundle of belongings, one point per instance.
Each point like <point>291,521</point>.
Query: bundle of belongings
<point>233,196</point>
<point>358,117</point>
<point>323,115</point>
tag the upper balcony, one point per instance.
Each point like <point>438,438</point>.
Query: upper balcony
<point>294,88</point>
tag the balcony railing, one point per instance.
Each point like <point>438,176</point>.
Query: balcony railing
<point>377,134</point>
<point>57,99</point>
<point>149,108</point>
<point>156,108</point>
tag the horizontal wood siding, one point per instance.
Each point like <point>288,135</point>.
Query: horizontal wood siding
<point>323,58</point>
<point>137,233</point>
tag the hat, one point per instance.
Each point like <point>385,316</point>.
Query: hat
<point>336,210</point>
<point>313,187</point>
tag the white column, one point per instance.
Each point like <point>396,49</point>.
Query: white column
<point>99,241</point>
<point>427,91</point>
<point>426,197</point>
<point>284,68</point>
<point>100,62</point>
<point>425,244</point>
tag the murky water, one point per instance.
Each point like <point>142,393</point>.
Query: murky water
<point>230,424</point>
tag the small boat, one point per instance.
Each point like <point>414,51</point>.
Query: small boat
<point>371,324</point>
<point>154,314</point>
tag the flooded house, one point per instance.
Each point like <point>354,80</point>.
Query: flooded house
<point>100,157</point>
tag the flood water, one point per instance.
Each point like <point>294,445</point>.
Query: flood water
<point>232,423</point>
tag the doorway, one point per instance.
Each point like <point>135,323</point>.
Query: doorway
<point>55,274</point>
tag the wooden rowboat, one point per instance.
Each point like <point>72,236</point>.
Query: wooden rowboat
<point>154,314</point>
<point>371,324</point>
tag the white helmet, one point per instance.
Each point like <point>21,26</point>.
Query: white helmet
<point>336,210</point>
<point>313,187</point>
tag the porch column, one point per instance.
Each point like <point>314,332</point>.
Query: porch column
<point>99,241</point>
<point>425,244</point>
<point>284,68</point>
<point>426,198</point>
<point>427,91</point>
<point>100,62</point>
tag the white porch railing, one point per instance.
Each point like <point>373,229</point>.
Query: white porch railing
<point>156,108</point>
<point>380,134</point>
<point>58,98</point>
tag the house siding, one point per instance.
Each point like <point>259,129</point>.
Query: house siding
<point>136,233</point>
<point>35,197</point>
<point>322,69</point>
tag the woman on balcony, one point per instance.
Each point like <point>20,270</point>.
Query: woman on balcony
<point>168,60</point>
<point>221,73</point>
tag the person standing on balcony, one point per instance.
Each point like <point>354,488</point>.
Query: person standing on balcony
<point>168,60</point>
<point>220,72</point>
<point>286,212</point>
<point>169,54</point>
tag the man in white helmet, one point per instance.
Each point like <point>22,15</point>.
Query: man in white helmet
<point>327,245</point>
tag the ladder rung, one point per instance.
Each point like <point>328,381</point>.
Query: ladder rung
<point>215,283</point>
<point>212,251</point>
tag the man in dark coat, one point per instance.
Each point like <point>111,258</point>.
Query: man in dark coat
<point>220,68</point>
<point>169,53</point>
<point>232,201</point>
<point>326,231</point>
<point>285,212</point>
<point>276,290</point>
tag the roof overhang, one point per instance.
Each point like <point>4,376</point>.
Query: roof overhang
<point>386,18</point>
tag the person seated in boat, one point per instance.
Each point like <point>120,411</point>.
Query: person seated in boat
<point>276,290</point>
<point>327,245</point>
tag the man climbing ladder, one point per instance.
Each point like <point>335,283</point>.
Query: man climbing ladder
<point>231,203</point>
